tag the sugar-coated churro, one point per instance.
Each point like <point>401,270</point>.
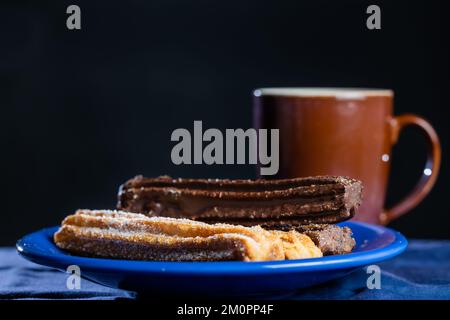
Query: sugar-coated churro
<point>124,235</point>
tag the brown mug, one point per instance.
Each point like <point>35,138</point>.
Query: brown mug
<point>349,132</point>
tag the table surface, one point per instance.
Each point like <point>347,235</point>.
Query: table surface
<point>422,272</point>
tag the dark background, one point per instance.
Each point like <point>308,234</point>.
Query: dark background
<point>82,111</point>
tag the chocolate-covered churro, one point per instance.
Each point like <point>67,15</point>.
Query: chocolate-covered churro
<point>274,204</point>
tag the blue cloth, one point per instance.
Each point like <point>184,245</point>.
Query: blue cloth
<point>422,272</point>
<point>22,279</point>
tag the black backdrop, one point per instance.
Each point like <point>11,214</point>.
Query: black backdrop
<point>82,111</point>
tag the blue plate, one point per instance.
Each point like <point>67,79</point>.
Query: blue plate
<point>238,279</point>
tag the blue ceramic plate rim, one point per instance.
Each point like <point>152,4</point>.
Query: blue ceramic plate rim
<point>40,248</point>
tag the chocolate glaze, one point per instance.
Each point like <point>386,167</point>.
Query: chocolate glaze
<point>299,201</point>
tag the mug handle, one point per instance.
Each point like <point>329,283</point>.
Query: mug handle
<point>430,172</point>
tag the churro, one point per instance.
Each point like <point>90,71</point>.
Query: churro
<point>271,203</point>
<point>124,235</point>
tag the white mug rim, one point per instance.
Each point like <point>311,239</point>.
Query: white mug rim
<point>342,93</point>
